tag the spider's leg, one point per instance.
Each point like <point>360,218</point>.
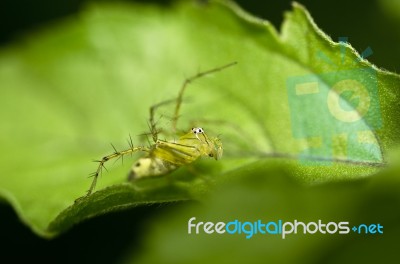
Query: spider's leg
<point>115,154</point>
<point>152,123</point>
<point>186,83</point>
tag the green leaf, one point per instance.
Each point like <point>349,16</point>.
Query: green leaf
<point>273,198</point>
<point>72,88</point>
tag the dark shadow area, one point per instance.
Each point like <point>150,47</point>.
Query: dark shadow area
<point>103,239</point>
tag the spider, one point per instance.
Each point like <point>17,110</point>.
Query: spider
<point>163,157</point>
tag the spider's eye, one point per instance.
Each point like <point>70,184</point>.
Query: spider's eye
<point>197,130</point>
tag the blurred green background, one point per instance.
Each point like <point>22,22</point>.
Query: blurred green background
<point>371,23</point>
<point>109,238</point>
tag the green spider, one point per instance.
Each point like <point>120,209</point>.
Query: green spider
<point>163,156</point>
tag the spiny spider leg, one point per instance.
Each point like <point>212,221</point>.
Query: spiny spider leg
<point>152,124</point>
<point>153,127</point>
<point>116,154</point>
<point>186,83</point>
